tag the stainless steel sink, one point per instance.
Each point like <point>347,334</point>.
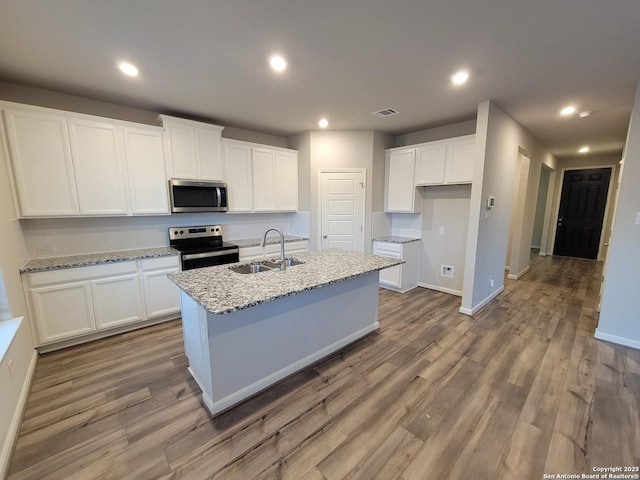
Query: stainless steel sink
<point>290,262</point>
<point>251,268</point>
<point>264,266</point>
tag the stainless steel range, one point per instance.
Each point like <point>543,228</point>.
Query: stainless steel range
<point>202,246</point>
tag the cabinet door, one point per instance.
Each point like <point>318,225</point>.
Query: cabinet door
<point>99,167</point>
<point>182,151</point>
<point>210,155</point>
<point>117,300</point>
<point>63,311</point>
<point>237,164</point>
<point>41,161</point>
<point>286,181</point>
<point>460,161</point>
<point>145,165</point>
<point>391,277</point>
<point>431,164</point>
<point>161,295</point>
<point>401,190</point>
<point>264,180</point>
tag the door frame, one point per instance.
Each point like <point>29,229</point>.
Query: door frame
<point>560,182</point>
<point>365,224</point>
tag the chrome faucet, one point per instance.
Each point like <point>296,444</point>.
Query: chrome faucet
<point>283,262</point>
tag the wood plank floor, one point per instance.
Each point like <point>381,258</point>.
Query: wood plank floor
<point>520,390</point>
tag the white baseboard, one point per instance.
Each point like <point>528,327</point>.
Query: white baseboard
<point>518,275</point>
<point>14,428</point>
<point>482,304</point>
<point>626,342</point>
<point>440,289</point>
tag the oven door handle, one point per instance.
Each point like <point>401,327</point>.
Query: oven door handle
<point>217,253</point>
<point>219,197</point>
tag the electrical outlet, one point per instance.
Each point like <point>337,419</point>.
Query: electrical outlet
<point>487,214</point>
<point>446,271</point>
<point>491,282</point>
<point>11,369</point>
<point>441,231</point>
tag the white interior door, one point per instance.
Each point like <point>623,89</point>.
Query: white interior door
<point>342,210</point>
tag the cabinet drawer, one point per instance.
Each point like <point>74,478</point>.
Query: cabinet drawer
<point>161,262</point>
<point>385,249</point>
<point>81,273</point>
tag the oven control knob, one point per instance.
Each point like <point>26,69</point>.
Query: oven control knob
<point>181,232</point>
<point>175,232</point>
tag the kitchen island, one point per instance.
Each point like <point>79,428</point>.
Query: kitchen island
<point>245,332</point>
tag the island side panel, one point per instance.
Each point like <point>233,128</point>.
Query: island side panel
<point>253,348</point>
<point>196,343</point>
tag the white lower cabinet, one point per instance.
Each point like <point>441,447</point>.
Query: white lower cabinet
<point>62,311</point>
<point>74,302</point>
<point>117,301</point>
<point>249,254</point>
<point>401,278</point>
<point>161,295</point>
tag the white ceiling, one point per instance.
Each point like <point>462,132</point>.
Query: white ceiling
<point>348,58</point>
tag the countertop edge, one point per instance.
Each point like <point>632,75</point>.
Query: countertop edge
<point>92,259</point>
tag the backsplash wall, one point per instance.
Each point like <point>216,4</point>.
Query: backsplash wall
<point>54,237</point>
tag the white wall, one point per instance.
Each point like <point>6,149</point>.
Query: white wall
<point>438,133</point>
<point>499,139</point>
<point>620,311</point>
<point>445,208</point>
<point>16,343</point>
<point>73,236</point>
<point>541,204</point>
<point>340,149</point>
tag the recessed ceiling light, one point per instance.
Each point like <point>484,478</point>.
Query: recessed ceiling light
<point>460,78</point>
<point>128,69</point>
<point>278,63</point>
<point>584,114</point>
<point>569,110</point>
<point>584,149</point>
<point>323,123</point>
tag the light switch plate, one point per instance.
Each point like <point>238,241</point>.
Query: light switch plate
<point>638,218</point>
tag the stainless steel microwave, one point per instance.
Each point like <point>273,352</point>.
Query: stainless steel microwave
<point>197,196</point>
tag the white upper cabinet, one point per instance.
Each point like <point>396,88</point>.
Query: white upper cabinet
<point>40,157</point>
<point>400,193</point>
<point>459,167</point>
<point>238,167</point>
<point>145,165</point>
<point>210,154</point>
<point>194,149</point>
<point>286,181</point>
<point>430,164</point>
<point>65,164</point>
<point>99,167</point>
<point>260,178</point>
<point>264,180</point>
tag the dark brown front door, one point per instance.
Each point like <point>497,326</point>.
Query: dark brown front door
<point>582,204</point>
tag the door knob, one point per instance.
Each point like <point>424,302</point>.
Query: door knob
<point>324,236</point>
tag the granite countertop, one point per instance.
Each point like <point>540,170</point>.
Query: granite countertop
<point>56,263</point>
<point>220,290</point>
<point>271,239</point>
<point>393,239</point>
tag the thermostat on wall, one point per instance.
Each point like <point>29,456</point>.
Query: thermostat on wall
<point>491,201</point>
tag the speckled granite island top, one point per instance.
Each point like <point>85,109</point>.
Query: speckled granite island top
<point>56,263</point>
<point>394,239</point>
<point>220,290</point>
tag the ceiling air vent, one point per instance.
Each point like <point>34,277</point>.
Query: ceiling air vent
<point>386,112</point>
